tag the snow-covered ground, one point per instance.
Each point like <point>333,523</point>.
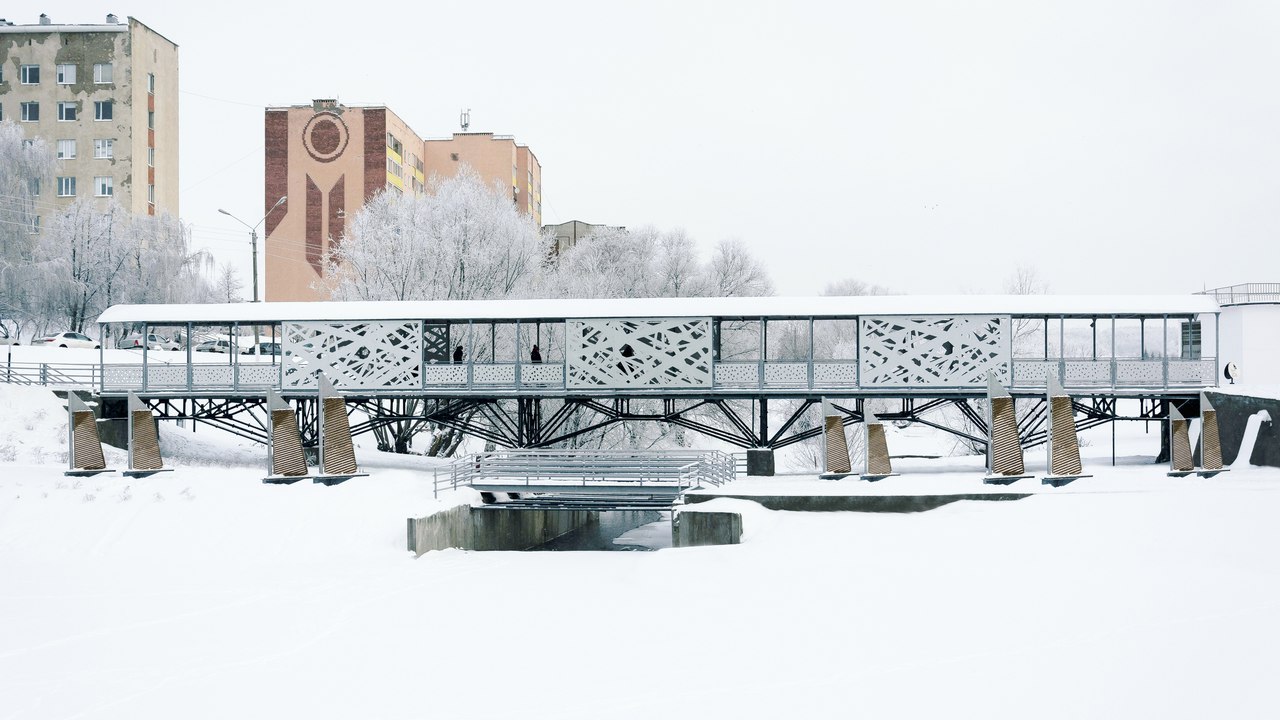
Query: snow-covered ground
<point>202,593</point>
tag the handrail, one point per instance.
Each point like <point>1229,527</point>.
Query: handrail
<point>1245,293</point>
<point>681,469</point>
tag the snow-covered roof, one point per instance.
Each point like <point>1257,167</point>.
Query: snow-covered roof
<point>1033,305</point>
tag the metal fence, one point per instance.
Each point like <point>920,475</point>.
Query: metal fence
<point>639,471</point>
<point>1246,294</point>
<point>82,375</point>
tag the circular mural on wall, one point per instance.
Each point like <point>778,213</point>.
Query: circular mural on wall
<point>325,137</point>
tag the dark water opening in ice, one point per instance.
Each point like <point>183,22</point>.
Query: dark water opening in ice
<point>635,530</point>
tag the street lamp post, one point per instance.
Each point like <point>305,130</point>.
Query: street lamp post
<point>253,242</point>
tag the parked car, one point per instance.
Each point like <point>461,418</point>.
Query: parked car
<point>154,342</point>
<point>262,348</point>
<point>214,346</point>
<point>69,340</point>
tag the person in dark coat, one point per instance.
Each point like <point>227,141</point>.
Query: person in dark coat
<point>457,354</point>
<point>534,355</point>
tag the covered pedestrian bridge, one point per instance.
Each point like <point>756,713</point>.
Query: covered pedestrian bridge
<point>475,365</point>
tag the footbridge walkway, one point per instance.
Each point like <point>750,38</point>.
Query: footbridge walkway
<point>537,373</point>
<point>587,479</point>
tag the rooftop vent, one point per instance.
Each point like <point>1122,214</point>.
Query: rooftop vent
<point>44,19</point>
<point>112,19</point>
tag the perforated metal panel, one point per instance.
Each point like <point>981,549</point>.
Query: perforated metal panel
<point>639,353</point>
<point>934,351</point>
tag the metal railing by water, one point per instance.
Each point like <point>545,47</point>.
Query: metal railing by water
<point>617,471</point>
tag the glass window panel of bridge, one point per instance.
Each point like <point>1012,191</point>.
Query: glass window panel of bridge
<point>786,340</point>
<point>548,337</point>
<point>491,342</point>
<point>1128,338</point>
<point>1153,338</point>
<point>738,340</point>
<point>1028,338</point>
<point>835,339</point>
<point>260,344</point>
<point>1085,339</point>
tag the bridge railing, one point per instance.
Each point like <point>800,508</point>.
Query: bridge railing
<point>1246,294</point>
<point>579,470</point>
<point>254,378</point>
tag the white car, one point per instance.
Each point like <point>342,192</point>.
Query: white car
<point>154,342</point>
<point>69,340</point>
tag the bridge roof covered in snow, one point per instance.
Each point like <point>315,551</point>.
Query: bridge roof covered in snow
<point>724,307</point>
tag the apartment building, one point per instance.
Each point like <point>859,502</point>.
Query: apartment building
<point>105,98</point>
<point>327,160</point>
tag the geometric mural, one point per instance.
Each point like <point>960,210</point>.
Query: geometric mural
<point>639,353</point>
<point>934,351</point>
<point>354,355</point>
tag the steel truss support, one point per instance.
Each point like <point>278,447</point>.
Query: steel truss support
<point>533,422</point>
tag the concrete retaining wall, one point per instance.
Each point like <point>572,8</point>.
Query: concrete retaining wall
<point>468,528</point>
<point>690,528</point>
<point>1234,412</point>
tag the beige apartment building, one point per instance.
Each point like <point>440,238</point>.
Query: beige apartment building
<point>328,160</point>
<point>105,99</point>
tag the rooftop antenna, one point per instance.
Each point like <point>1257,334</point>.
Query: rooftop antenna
<point>464,119</point>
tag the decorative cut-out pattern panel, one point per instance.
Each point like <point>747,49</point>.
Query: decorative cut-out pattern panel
<point>1140,372</point>
<point>122,376</point>
<point>740,374</point>
<point>259,375</point>
<point>169,376</point>
<point>1088,372</point>
<point>1192,372</point>
<point>835,373</point>
<point>1033,373</point>
<point>534,374</point>
<point>444,375</point>
<point>786,373</point>
<point>354,355</point>
<point>933,351</point>
<point>639,353</point>
<point>497,374</point>
<point>219,376</point>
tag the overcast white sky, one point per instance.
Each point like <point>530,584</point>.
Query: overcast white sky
<point>924,146</point>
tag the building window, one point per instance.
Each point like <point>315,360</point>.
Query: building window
<point>151,157</point>
<point>395,144</point>
<point>66,74</point>
<point>29,74</point>
<point>102,186</point>
<point>67,112</point>
<point>104,149</point>
<point>102,110</point>
<point>66,149</point>
<point>151,120</point>
<point>30,112</point>
<point>35,225</point>
<point>1,112</point>
<point>393,167</point>
<point>151,194</point>
<point>33,186</point>
<point>102,73</point>
<point>151,83</point>
<point>66,186</point>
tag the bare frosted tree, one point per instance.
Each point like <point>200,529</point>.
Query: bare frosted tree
<point>733,271</point>
<point>461,241</point>
<point>228,286</point>
<point>26,168</point>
